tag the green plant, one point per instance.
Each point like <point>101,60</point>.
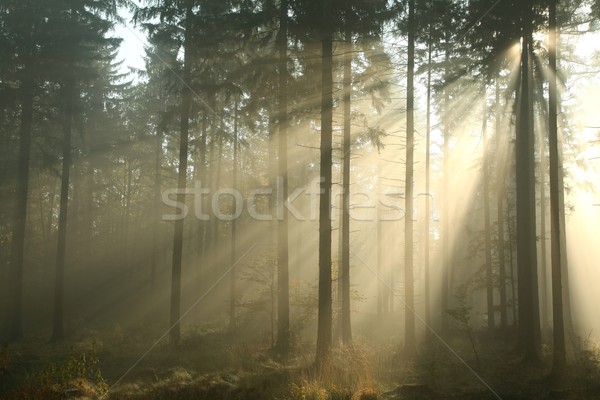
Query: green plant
<point>587,366</point>
<point>77,373</point>
<point>339,393</point>
<point>308,391</point>
<point>462,315</point>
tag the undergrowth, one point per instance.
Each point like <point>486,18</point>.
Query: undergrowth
<point>78,375</point>
<point>345,375</point>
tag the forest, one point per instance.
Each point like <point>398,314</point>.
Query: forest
<point>299,199</point>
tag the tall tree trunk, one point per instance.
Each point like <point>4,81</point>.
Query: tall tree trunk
<point>570,333</point>
<point>325,307</point>
<point>127,217</point>
<point>273,167</point>
<point>20,215</point>
<point>529,320</point>
<point>156,242</point>
<point>409,306</point>
<point>345,264</point>
<point>201,250</point>
<point>489,276</point>
<point>559,347</point>
<point>186,100</point>
<point>501,160</point>
<point>446,261</point>
<point>58,320</point>
<point>232,277</point>
<point>426,261</point>
<point>543,265</point>
<point>380,270</point>
<point>511,253</point>
<point>216,222</point>
<point>283,289</point>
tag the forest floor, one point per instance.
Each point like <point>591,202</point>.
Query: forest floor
<point>129,365</point>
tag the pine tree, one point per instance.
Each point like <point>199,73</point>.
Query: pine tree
<point>324,330</point>
<point>409,307</point>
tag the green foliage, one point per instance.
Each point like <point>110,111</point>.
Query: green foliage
<point>312,390</point>
<point>77,374</point>
<point>587,364</point>
<point>308,391</point>
<point>461,314</point>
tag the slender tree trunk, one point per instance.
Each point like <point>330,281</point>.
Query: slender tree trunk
<point>511,252</point>
<point>570,333</point>
<point>126,234</point>
<point>543,207</point>
<point>489,275</point>
<point>212,182</point>
<point>543,238</point>
<point>283,290</point>
<point>409,315</point>
<point>232,277</point>
<point>156,245</point>
<point>186,99</point>
<point>529,321</point>
<point>20,215</point>
<point>337,330</point>
<point>202,176</point>
<point>426,219</point>
<point>273,172</point>
<point>559,347</point>
<point>446,262</point>
<point>345,264</point>
<point>380,270</point>
<point>58,320</point>
<point>217,184</point>
<point>501,160</point>
<point>325,307</point>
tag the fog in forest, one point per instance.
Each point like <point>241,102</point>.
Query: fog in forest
<point>299,199</point>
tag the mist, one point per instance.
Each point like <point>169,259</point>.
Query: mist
<point>299,200</point>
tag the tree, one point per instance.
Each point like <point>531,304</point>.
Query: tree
<point>26,94</point>
<point>347,149</point>
<point>186,99</point>
<point>529,320</point>
<point>501,161</point>
<point>77,38</point>
<point>559,348</point>
<point>409,310</point>
<point>324,329</point>
<point>283,290</point>
<point>487,224</point>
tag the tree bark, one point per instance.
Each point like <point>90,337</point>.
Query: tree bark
<point>58,320</point>
<point>559,346</point>
<point>409,306</point>
<point>20,215</point>
<point>156,242</point>
<point>325,307</point>
<point>232,277</point>
<point>283,290</point>
<point>426,219</point>
<point>529,320</point>
<point>345,264</point>
<point>186,99</point>
<point>446,261</point>
<point>489,276</point>
<point>501,161</point>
